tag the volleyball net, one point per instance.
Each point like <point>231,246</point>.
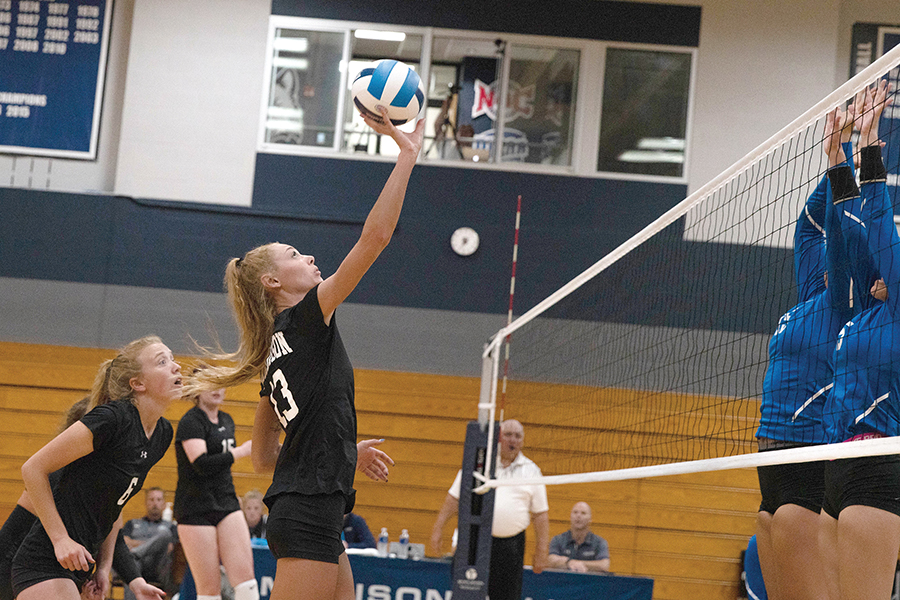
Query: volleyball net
<point>651,362</point>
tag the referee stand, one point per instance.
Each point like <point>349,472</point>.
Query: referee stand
<point>471,563</point>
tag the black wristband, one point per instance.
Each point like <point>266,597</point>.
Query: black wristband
<point>124,563</point>
<point>871,169</point>
<point>213,463</point>
<point>843,186</point>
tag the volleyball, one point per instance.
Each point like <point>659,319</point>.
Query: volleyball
<point>391,84</point>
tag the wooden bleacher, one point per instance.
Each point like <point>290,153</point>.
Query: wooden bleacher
<point>685,531</point>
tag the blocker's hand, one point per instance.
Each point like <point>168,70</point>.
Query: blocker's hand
<point>876,100</point>
<point>834,123</point>
<point>371,461</point>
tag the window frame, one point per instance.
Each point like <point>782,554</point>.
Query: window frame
<point>588,99</point>
<point>599,78</point>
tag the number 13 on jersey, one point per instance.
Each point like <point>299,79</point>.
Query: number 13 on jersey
<point>282,397</point>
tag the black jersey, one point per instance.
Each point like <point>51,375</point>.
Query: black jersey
<point>14,530</point>
<point>205,485</point>
<point>93,489</point>
<point>309,381</point>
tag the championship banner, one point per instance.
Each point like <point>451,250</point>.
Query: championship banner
<point>53,57</point>
<point>870,42</point>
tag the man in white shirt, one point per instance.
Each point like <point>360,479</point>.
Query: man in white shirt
<point>514,508</point>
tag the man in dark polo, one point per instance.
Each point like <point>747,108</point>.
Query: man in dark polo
<point>579,549</point>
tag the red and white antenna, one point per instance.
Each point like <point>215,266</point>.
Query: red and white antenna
<point>509,315</point>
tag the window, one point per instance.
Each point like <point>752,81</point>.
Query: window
<point>366,47</point>
<point>539,101</point>
<point>464,83</point>
<point>645,109</point>
<point>467,75</point>
<point>309,103</point>
<point>540,105</point>
<point>304,88</point>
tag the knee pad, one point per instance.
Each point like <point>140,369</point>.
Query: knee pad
<point>248,590</point>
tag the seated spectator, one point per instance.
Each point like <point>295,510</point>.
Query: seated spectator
<point>356,532</point>
<point>255,513</point>
<point>579,549</point>
<point>152,541</point>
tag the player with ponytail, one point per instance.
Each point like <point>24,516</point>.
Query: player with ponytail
<point>286,314</point>
<point>103,458</point>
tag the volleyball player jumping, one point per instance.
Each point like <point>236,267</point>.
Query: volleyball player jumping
<point>797,382</point>
<point>861,513</point>
<point>288,330</point>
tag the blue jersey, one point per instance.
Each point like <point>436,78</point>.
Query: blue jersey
<point>800,371</point>
<point>867,357</point>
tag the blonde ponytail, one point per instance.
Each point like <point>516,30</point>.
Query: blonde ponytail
<point>254,312</point>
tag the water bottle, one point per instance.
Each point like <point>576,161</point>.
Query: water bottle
<point>383,542</point>
<point>403,552</point>
<point>167,513</point>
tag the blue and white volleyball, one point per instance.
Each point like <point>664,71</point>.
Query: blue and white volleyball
<point>391,84</point>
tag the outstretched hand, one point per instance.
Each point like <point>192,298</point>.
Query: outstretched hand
<point>408,142</point>
<point>242,451</point>
<point>854,110</point>
<point>876,99</point>
<point>371,461</point>
<point>834,126</point>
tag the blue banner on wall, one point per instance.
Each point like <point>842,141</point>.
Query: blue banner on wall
<point>51,82</point>
<point>398,579</point>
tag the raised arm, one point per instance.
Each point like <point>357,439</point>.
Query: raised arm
<point>848,203</point>
<point>877,212</point>
<point>381,222</point>
<point>809,243</point>
<point>810,256</point>
<point>837,263</point>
